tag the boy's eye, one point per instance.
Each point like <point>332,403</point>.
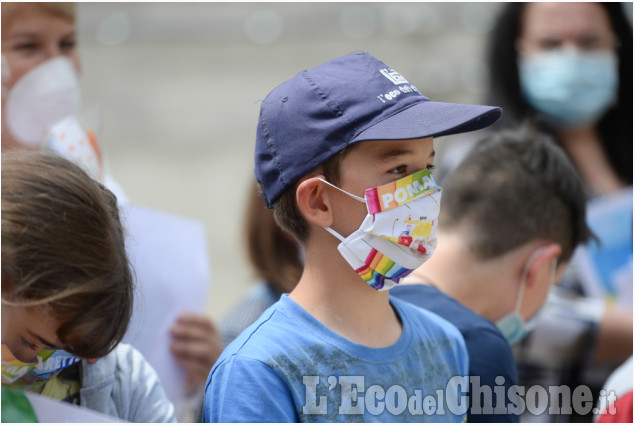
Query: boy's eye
<point>398,170</point>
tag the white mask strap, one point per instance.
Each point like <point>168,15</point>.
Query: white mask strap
<point>528,264</point>
<point>334,233</point>
<point>552,277</point>
<point>554,268</point>
<point>363,200</point>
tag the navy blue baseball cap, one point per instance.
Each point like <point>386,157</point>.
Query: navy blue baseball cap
<point>318,113</point>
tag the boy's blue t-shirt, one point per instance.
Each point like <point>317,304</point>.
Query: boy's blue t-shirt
<point>289,367</point>
<point>491,357</point>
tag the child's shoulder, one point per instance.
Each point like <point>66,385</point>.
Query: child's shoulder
<point>268,335</point>
<point>441,305</point>
<point>424,322</point>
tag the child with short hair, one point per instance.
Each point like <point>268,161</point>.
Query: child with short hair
<point>500,253</point>
<point>345,143</point>
<point>67,292</point>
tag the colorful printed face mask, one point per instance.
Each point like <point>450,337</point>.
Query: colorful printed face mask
<point>24,376</point>
<point>399,232</point>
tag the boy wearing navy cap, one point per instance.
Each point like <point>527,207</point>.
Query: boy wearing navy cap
<point>343,153</point>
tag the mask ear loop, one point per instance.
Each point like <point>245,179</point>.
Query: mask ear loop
<point>554,268</point>
<point>521,291</point>
<point>334,233</point>
<point>362,200</point>
<point>328,229</point>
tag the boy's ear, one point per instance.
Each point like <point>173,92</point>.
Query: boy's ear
<point>543,262</point>
<point>314,202</point>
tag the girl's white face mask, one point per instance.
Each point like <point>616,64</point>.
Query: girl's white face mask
<point>43,96</point>
<point>399,232</point>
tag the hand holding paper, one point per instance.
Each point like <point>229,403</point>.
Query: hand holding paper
<point>196,345</point>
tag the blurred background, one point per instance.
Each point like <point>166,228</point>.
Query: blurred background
<point>177,89</point>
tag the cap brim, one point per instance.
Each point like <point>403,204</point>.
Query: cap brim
<point>431,119</point>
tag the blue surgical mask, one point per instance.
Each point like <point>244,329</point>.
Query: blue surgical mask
<point>513,327</point>
<point>570,88</point>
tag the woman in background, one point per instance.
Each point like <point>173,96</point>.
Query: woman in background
<point>570,67</point>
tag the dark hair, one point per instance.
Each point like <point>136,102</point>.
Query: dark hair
<point>286,211</point>
<point>273,253</point>
<point>512,188</point>
<point>615,127</point>
<point>63,250</point>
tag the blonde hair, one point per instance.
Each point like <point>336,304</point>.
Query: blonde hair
<point>66,11</point>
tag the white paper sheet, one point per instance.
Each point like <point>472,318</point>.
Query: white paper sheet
<point>169,258</point>
<point>55,411</point>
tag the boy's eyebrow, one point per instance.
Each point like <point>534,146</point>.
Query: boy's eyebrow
<point>42,340</point>
<point>393,153</point>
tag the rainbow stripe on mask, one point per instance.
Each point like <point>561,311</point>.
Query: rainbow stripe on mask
<point>400,191</point>
<point>378,268</point>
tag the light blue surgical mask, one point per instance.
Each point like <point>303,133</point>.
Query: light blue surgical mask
<point>513,327</point>
<point>570,88</point>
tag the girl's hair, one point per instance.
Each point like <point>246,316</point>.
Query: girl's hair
<point>274,254</point>
<point>60,9</point>
<point>615,127</point>
<point>63,250</point>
